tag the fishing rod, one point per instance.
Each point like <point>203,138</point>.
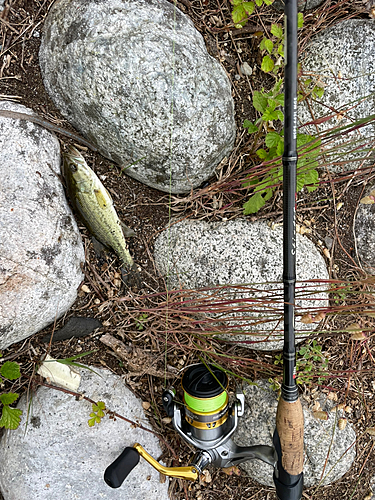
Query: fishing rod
<point>288,436</point>
<point>205,418</point>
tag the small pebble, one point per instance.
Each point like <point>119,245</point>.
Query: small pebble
<point>329,242</point>
<point>246,69</point>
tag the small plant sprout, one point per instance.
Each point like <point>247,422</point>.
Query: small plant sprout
<point>311,365</point>
<point>141,321</point>
<point>10,417</point>
<point>98,412</point>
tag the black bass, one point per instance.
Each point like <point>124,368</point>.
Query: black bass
<point>95,206</point>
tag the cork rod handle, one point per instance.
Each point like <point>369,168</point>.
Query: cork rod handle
<point>289,424</point>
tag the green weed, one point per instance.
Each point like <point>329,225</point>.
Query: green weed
<point>311,365</point>
<point>10,417</point>
<point>269,105</point>
<point>98,412</point>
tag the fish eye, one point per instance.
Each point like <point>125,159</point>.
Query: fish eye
<point>73,167</point>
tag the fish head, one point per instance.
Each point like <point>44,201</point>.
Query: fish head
<point>78,175</point>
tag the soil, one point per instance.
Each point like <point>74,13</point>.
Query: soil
<point>147,211</point>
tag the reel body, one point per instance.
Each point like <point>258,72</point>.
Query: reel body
<point>206,420</point>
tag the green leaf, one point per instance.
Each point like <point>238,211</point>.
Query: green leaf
<point>238,13</point>
<point>249,7</point>
<point>318,91</point>
<point>259,102</point>
<point>236,2</point>
<point>311,177</point>
<point>280,99</point>
<point>255,203</point>
<point>268,44</point>
<point>270,115</point>
<point>271,153</point>
<point>262,44</point>
<point>277,87</point>
<point>267,64</point>
<point>300,182</point>
<point>280,114</point>
<point>272,103</point>
<point>101,405</point>
<point>280,50</point>
<point>300,19</point>
<point>251,128</point>
<point>91,422</point>
<point>268,2</point>
<point>10,418</point>
<point>262,154</point>
<point>268,195</point>
<point>259,3</point>
<point>272,139</point>
<point>280,148</point>
<point>277,30</point>
<point>8,398</point>
<point>10,370</point>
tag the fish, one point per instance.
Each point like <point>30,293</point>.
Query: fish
<point>94,204</point>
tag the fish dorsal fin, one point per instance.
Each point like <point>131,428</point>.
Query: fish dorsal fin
<point>103,200</point>
<point>127,231</point>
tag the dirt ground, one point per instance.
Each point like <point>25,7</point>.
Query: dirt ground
<point>148,211</point>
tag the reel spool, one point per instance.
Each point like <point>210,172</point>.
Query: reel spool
<point>206,420</point>
<point>206,402</point>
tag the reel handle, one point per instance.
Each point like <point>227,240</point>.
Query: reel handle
<point>116,473</point>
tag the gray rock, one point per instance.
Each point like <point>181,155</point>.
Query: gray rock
<point>342,57</point>
<point>303,5</point>
<point>134,76</point>
<point>364,231</point>
<point>41,248</point>
<point>60,456</point>
<point>196,254</point>
<point>322,438</point>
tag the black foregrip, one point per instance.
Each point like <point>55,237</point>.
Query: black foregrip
<point>288,487</point>
<point>117,472</point>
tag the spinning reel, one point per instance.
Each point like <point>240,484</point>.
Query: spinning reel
<point>206,420</point>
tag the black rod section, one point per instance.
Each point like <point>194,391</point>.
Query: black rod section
<point>289,387</point>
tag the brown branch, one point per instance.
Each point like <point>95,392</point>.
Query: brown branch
<point>80,396</point>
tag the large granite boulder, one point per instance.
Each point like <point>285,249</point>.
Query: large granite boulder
<point>330,448</point>
<point>41,248</point>
<point>194,254</point>
<point>342,59</point>
<point>59,456</point>
<point>364,230</point>
<point>134,77</point>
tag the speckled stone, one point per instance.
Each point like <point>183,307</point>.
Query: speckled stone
<point>364,231</point>
<point>343,58</point>
<point>59,456</point>
<point>195,254</point>
<point>41,248</point>
<point>322,438</point>
<point>135,77</point>
<point>303,5</point>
